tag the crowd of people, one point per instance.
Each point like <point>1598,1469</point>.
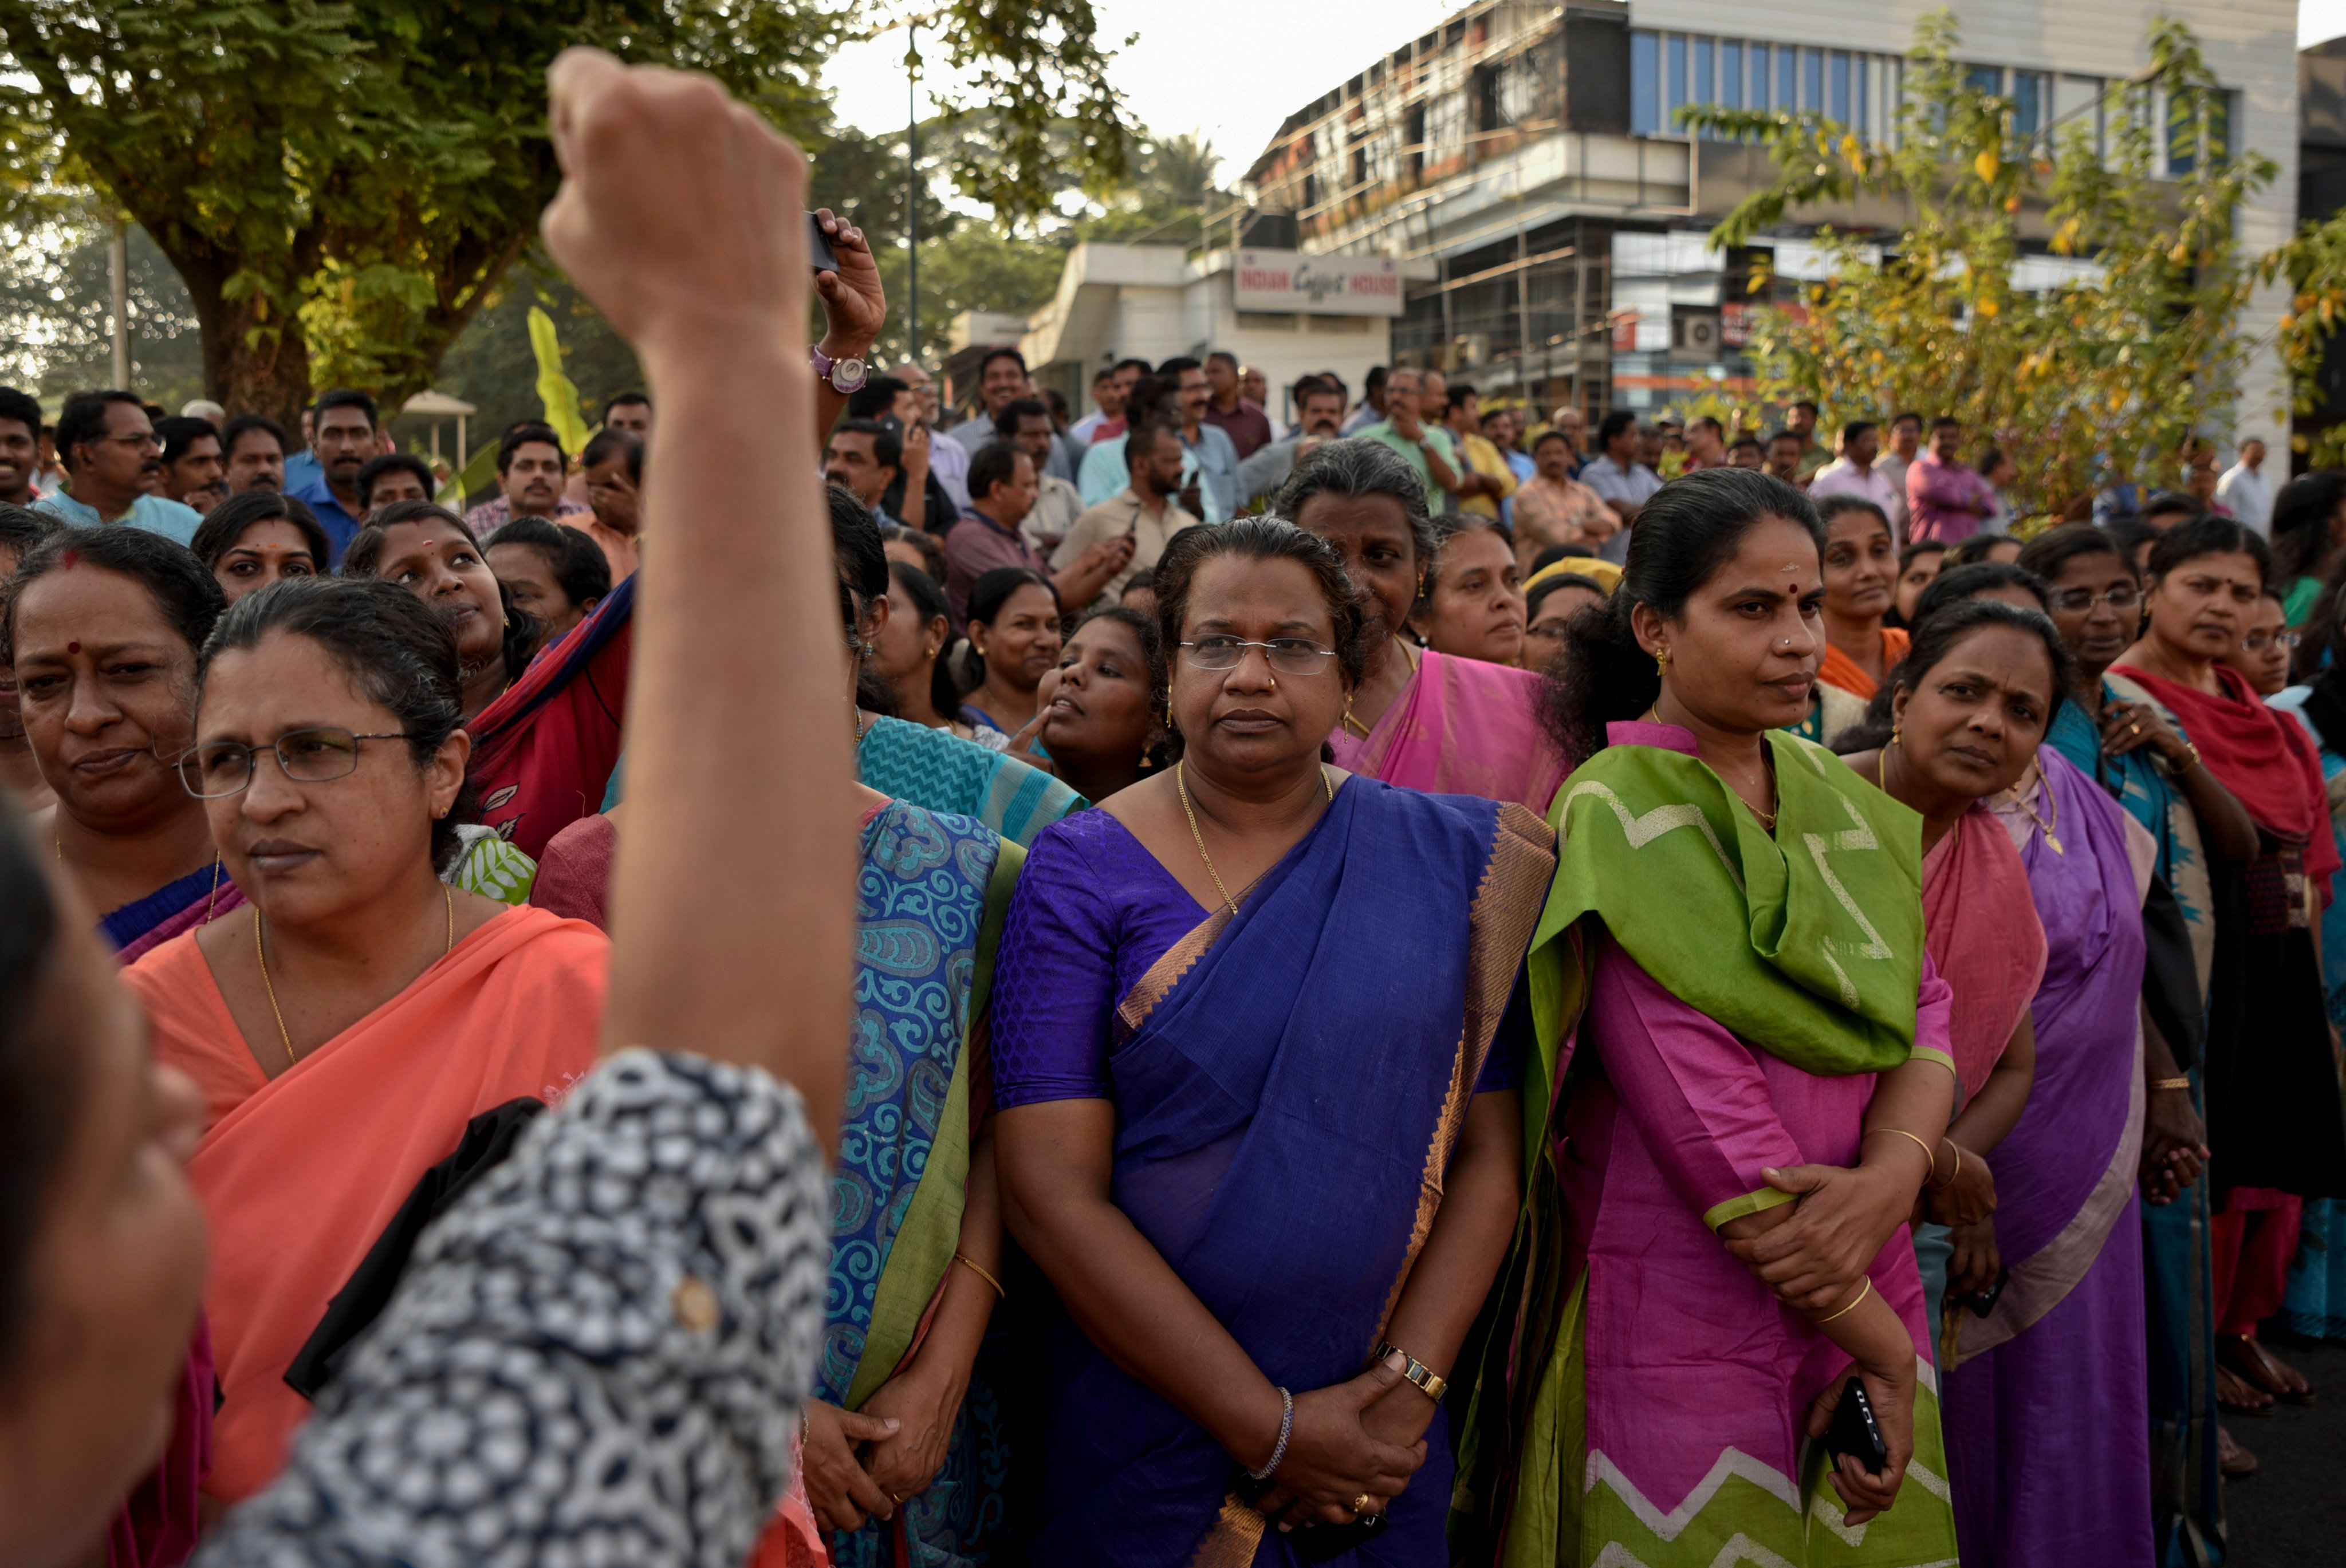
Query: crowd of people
<point>810,984</point>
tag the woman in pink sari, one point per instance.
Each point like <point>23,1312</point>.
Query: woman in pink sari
<point>1420,719</point>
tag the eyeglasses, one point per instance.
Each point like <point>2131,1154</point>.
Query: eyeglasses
<point>1549,631</point>
<point>1287,656</point>
<point>2258,642</point>
<point>2077,601</point>
<point>317,756</point>
<point>143,439</point>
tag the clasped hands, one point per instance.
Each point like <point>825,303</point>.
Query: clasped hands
<point>861,1464</point>
<point>1841,1218</point>
<point>1363,1436</point>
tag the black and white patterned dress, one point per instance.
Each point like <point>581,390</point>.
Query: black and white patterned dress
<point>597,1358</point>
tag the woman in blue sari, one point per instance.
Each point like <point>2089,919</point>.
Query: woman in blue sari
<point>2115,732</point>
<point>1258,1122</point>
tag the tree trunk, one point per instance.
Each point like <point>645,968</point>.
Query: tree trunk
<point>245,371</point>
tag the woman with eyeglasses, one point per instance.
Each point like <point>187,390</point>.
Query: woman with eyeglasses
<point>1417,717</point>
<point>1262,1137</point>
<point>2115,732</point>
<point>2262,657</point>
<point>2275,1121</point>
<point>363,1023</point>
<point>103,628</point>
<point>1549,606</point>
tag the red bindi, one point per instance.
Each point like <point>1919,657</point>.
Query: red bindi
<point>72,647</point>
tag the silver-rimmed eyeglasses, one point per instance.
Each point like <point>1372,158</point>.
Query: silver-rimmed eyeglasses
<point>1287,656</point>
<point>319,756</point>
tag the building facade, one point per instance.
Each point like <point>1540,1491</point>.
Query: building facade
<point>1525,156</point>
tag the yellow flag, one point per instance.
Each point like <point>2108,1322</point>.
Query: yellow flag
<point>558,391</point>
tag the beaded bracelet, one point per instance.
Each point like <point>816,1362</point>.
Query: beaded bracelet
<point>1286,1429</point>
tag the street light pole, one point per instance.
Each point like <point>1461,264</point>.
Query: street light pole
<point>118,267</point>
<point>913,193</point>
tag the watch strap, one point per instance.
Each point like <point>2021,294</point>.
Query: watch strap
<point>1429,1382</point>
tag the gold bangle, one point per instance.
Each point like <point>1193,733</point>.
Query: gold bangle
<point>2173,772</point>
<point>964,1259</point>
<point>2182,1083</point>
<point>1956,1175</point>
<point>1853,1300</point>
<point>1927,1154</point>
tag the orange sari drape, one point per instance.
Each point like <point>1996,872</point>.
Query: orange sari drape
<point>300,1173</point>
<point>1840,669</point>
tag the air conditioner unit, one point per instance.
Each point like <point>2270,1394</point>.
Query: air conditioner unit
<point>1698,336</point>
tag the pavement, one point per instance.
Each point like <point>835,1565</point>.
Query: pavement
<point>2292,1510</point>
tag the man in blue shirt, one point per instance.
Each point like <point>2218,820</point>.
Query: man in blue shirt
<point>343,439</point>
<point>111,455</point>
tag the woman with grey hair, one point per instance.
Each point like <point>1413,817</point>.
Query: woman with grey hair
<point>1419,717</point>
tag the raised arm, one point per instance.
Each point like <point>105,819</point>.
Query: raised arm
<point>736,624</point>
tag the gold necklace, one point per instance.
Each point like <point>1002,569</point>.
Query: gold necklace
<point>261,957</point>
<point>1181,788</point>
<point>1348,722</point>
<point>2052,808</point>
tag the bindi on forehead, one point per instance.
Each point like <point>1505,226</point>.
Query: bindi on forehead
<point>72,647</point>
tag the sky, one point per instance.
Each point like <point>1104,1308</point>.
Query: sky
<point>1232,69</point>
<point>1228,69</point>
<point>2319,20</point>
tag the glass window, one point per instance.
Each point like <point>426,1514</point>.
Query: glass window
<point>1840,86</point>
<point>1730,74</point>
<point>1813,80</point>
<point>1706,84</point>
<point>1860,101</point>
<point>1788,76</point>
<point>2184,134</point>
<point>1759,75</point>
<point>1674,84</point>
<point>1986,78</point>
<point>1644,85</point>
<point>2027,102</point>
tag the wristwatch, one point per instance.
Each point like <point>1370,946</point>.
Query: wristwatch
<point>846,376</point>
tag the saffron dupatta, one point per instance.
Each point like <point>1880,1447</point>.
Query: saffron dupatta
<point>1290,1201</point>
<point>1838,670</point>
<point>299,1174</point>
<point>1460,726</point>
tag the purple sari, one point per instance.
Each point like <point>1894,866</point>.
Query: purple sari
<point>1289,1083</point>
<point>2046,1402</point>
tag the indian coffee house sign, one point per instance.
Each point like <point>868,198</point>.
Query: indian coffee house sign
<point>1317,285</point>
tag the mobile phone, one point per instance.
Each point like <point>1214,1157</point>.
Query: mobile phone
<point>1855,1432</point>
<point>819,250</point>
<point>1982,1302</point>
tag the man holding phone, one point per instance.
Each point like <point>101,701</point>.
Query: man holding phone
<point>1146,511</point>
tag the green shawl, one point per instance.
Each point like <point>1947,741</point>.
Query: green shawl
<point>1808,943</point>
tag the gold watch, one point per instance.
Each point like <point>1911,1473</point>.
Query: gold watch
<point>1429,1382</point>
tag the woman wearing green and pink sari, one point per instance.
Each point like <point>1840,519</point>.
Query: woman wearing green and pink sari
<point>1751,1082</point>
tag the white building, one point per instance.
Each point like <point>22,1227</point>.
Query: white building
<point>1525,154</point>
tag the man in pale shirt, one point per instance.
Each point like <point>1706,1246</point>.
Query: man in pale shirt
<point>1620,481</point>
<point>113,460</point>
<point>2245,489</point>
<point>1856,471</point>
<point>1057,503</point>
<point>948,460</point>
<point>1905,444</point>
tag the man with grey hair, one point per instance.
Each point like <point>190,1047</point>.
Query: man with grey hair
<point>1426,447</point>
<point>205,409</point>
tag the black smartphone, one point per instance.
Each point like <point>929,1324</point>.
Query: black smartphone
<point>1855,1432</point>
<point>819,250</point>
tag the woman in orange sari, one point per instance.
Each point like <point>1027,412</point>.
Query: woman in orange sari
<point>1860,579</point>
<point>360,1024</point>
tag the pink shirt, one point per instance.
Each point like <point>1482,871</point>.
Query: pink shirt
<point>1941,498</point>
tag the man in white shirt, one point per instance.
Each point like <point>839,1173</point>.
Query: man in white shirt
<point>1906,446</point>
<point>1855,472</point>
<point>2245,489</point>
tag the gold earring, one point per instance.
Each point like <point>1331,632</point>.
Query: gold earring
<point>1893,735</point>
<point>1662,661</point>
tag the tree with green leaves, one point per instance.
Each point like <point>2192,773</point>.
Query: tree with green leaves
<point>2098,377</point>
<point>2313,264</point>
<point>342,183</point>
